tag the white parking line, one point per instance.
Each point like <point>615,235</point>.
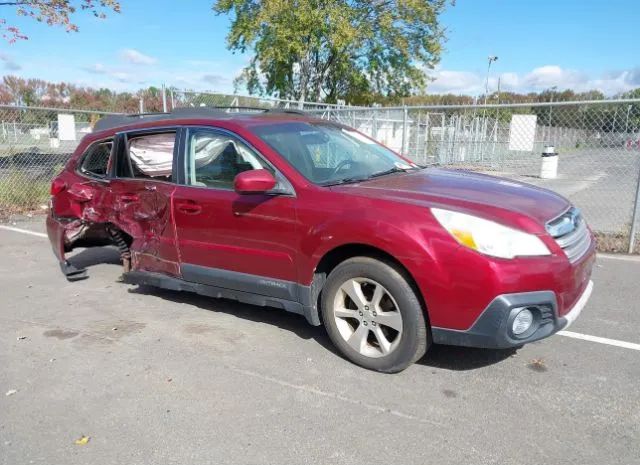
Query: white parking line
<point>601,340</point>
<point>571,334</point>
<point>23,231</point>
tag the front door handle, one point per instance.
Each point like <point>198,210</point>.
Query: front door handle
<point>190,208</point>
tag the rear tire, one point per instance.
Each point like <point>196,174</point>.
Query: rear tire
<point>373,315</point>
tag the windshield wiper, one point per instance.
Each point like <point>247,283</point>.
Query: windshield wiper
<point>352,179</point>
<point>395,169</point>
<point>348,180</point>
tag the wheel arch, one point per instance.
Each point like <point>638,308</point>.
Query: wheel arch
<point>339,254</point>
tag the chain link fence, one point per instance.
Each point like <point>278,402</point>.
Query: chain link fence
<point>35,143</point>
<point>598,146</point>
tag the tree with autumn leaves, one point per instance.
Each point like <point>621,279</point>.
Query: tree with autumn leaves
<point>39,93</point>
<point>53,13</point>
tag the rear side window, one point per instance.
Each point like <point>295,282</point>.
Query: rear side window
<point>97,160</point>
<point>149,156</point>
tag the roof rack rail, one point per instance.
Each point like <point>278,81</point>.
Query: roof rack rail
<point>114,121</point>
<point>292,111</point>
<point>228,109</point>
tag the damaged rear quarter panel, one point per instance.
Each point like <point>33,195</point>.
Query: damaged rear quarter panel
<point>83,213</point>
<point>148,220</point>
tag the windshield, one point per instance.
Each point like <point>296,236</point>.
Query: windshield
<point>328,154</point>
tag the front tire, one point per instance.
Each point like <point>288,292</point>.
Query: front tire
<point>373,316</point>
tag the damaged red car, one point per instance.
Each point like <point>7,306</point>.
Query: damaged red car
<point>280,209</point>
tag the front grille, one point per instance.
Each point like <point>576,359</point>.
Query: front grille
<point>571,233</point>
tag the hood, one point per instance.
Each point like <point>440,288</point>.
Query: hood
<point>477,194</point>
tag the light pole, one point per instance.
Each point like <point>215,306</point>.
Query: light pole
<point>491,59</point>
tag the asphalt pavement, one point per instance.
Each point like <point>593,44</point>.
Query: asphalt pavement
<point>149,376</point>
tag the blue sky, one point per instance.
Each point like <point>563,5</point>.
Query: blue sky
<point>580,44</point>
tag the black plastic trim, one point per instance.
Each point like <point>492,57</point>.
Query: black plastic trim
<point>72,273</point>
<point>241,281</point>
<point>492,330</point>
<point>243,287</point>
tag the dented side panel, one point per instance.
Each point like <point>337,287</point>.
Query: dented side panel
<point>83,214</point>
<point>142,209</point>
<point>132,213</point>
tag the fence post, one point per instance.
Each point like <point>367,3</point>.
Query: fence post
<point>426,139</point>
<point>164,98</point>
<point>374,124</point>
<point>417,149</point>
<point>634,218</point>
<point>442,155</point>
<point>141,105</point>
<point>405,121</point>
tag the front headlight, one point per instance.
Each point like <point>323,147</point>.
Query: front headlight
<point>489,237</point>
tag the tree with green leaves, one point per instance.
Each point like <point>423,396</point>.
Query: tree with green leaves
<point>53,13</point>
<point>325,50</point>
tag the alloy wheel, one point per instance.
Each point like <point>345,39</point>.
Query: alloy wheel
<point>367,317</point>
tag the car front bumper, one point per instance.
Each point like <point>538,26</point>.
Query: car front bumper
<point>492,329</point>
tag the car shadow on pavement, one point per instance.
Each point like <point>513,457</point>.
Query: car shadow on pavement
<point>268,315</point>
<point>463,358</point>
<point>85,258</point>
<point>439,356</point>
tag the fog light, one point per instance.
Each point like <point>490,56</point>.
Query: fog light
<point>522,321</point>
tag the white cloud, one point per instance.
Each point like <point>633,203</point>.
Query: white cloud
<point>137,58</point>
<point>117,75</point>
<point>97,68</point>
<point>456,82</point>
<point>548,76</point>
<point>9,63</point>
<point>214,79</point>
<point>194,75</point>
<point>120,76</point>
<point>536,80</point>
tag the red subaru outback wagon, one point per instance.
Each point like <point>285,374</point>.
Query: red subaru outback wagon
<point>285,210</point>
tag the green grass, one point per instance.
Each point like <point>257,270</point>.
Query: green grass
<point>19,193</point>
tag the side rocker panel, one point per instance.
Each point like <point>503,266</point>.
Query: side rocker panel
<point>302,294</point>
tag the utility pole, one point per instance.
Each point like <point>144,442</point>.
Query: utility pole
<point>491,59</point>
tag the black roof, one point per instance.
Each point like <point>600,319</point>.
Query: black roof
<point>114,121</point>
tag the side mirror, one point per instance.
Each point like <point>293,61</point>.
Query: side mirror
<point>254,182</point>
